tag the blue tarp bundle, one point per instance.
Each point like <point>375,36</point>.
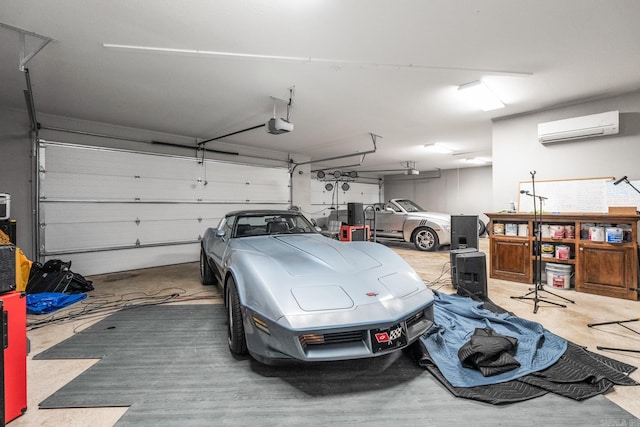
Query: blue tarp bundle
<point>48,302</point>
<point>456,319</point>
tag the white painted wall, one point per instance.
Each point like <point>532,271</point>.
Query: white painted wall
<point>465,191</point>
<point>517,152</point>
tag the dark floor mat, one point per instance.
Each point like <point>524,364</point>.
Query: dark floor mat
<point>579,374</point>
<point>170,365</point>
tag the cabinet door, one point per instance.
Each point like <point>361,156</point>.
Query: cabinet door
<point>607,270</point>
<point>511,260</point>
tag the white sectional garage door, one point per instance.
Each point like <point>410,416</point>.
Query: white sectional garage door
<point>112,210</point>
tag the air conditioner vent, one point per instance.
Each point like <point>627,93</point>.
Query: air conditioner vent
<point>579,127</point>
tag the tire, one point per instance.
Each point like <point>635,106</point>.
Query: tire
<point>481,227</point>
<point>425,239</point>
<point>206,273</point>
<point>235,327</point>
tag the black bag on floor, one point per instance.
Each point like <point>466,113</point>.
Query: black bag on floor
<point>56,276</point>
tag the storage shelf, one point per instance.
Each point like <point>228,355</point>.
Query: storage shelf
<point>602,268</point>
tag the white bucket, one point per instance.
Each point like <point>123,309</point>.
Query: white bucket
<point>511,229</point>
<point>544,230</point>
<point>556,231</point>
<point>558,276</point>
<point>596,234</point>
<point>563,252</point>
<point>613,234</point>
<point>523,230</point>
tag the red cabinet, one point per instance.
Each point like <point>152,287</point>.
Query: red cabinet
<point>14,343</point>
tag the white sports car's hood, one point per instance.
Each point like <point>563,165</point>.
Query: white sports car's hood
<point>312,255</point>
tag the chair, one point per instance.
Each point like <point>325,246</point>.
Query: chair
<point>275,227</point>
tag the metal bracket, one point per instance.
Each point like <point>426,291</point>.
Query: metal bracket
<point>24,56</point>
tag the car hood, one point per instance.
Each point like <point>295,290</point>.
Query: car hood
<point>326,274</point>
<point>312,254</point>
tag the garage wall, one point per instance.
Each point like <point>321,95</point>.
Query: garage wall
<point>465,191</point>
<point>323,200</point>
<point>15,173</point>
<point>517,152</point>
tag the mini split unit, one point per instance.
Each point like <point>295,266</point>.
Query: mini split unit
<point>579,127</point>
<point>277,126</point>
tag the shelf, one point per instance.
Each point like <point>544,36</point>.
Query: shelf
<point>556,260</point>
<point>602,268</point>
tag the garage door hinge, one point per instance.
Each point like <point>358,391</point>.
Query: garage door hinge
<point>137,242</point>
<point>136,176</point>
<point>137,199</point>
<point>137,221</point>
<point>199,219</point>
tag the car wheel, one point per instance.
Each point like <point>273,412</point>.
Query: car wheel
<point>206,273</point>
<point>235,327</point>
<point>481,227</point>
<point>425,239</point>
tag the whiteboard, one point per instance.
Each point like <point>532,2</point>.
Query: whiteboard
<point>591,195</point>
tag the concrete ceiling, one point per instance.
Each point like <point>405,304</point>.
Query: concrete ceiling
<point>390,68</point>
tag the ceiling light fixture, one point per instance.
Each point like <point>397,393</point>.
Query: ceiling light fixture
<point>438,148</point>
<point>477,161</point>
<point>479,95</point>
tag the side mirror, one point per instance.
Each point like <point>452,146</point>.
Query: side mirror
<point>220,232</point>
<point>388,209</point>
<point>318,229</point>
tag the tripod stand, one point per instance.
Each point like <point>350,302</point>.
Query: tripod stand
<point>538,287</point>
<point>619,322</point>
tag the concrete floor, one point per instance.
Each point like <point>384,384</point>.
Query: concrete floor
<point>152,285</point>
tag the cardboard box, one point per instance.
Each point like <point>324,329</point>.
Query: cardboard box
<point>622,210</point>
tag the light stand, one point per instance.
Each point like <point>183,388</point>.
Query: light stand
<point>538,256</point>
<point>619,322</point>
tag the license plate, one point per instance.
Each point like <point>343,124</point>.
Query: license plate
<point>389,338</point>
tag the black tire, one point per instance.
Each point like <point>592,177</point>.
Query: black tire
<point>235,327</point>
<point>481,227</point>
<point>207,277</point>
<point>425,239</point>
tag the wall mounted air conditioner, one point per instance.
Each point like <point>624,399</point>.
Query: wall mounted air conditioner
<point>579,127</point>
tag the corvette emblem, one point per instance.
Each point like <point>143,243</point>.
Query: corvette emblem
<point>372,294</point>
<point>382,337</point>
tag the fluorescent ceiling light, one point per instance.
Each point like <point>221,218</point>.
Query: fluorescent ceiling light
<point>477,161</point>
<point>479,95</point>
<point>438,148</point>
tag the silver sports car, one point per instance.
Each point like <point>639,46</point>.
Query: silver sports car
<point>292,293</point>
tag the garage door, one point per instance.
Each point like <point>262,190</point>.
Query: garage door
<point>111,210</point>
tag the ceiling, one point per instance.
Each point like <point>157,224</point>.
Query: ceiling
<point>357,67</point>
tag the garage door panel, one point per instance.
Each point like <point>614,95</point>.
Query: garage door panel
<point>91,263</point>
<point>94,199</point>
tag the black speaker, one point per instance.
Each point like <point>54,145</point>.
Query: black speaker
<point>8,227</point>
<point>464,231</point>
<point>453,257</point>
<point>472,274</point>
<point>355,214</point>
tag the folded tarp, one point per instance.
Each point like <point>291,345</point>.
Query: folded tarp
<point>457,318</point>
<point>48,302</point>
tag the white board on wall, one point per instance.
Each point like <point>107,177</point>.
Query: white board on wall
<point>593,195</point>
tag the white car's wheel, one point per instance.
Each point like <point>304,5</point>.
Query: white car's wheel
<point>425,239</point>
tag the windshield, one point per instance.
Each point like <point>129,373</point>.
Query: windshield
<point>409,206</point>
<point>264,224</point>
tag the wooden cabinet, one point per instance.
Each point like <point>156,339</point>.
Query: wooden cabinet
<point>598,266</point>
